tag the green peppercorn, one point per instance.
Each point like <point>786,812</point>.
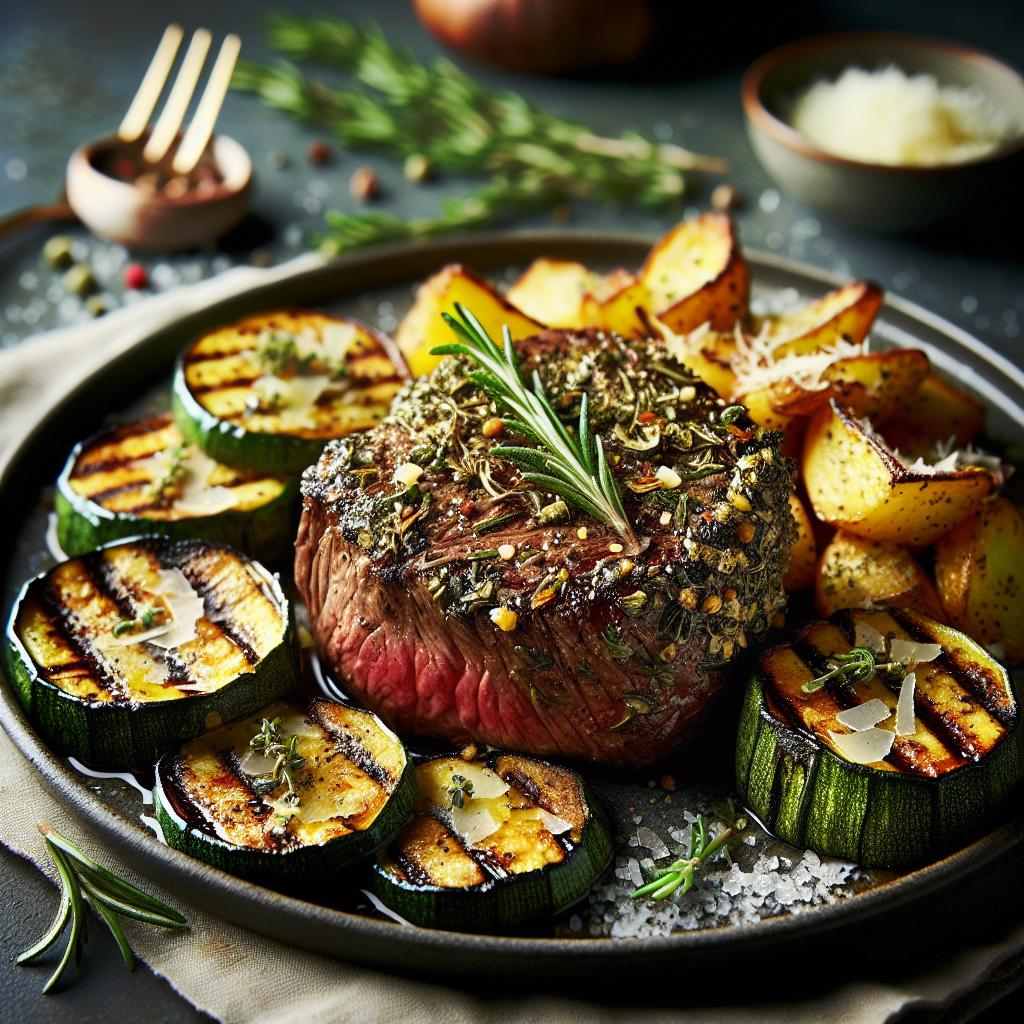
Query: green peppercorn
<point>57,252</point>
<point>79,280</point>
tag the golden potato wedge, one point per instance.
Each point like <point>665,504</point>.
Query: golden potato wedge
<point>845,314</point>
<point>552,291</point>
<point>616,302</point>
<point>696,274</point>
<point>856,573</point>
<point>935,411</point>
<point>878,383</point>
<point>804,557</point>
<point>855,482</point>
<point>979,571</point>
<point>708,354</point>
<point>422,327</point>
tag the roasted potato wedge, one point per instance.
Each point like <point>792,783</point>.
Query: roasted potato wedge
<point>845,314</point>
<point>552,291</point>
<point>876,384</point>
<point>617,302</point>
<point>422,327</point>
<point>857,573</point>
<point>708,354</point>
<point>979,571</point>
<point>696,274</point>
<point>854,481</point>
<point>804,556</point>
<point>930,414</point>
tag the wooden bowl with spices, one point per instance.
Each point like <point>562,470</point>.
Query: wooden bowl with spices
<point>887,131</point>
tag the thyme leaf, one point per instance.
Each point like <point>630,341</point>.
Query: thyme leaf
<point>679,876</point>
<point>459,790</point>
<point>83,881</point>
<point>573,468</point>
<point>271,743</point>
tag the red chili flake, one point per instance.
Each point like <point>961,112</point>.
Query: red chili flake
<point>647,416</point>
<point>743,435</point>
<point>468,507</point>
<point>708,516</point>
<point>319,153</point>
<point>135,276</point>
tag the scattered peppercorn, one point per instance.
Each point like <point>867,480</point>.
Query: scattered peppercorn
<point>135,276</point>
<point>96,305</point>
<point>319,153</point>
<point>668,783</point>
<point>364,185</point>
<point>417,168</point>
<point>725,197</point>
<point>493,427</point>
<point>57,252</point>
<point>79,280</point>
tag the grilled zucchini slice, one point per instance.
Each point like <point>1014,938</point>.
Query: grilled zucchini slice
<point>494,842</point>
<point>124,653</point>
<point>143,479</point>
<point>946,760</point>
<point>344,788</point>
<point>268,392</point>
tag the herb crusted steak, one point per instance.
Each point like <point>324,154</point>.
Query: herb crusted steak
<point>458,601</point>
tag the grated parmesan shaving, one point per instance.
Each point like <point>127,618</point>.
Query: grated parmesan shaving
<point>865,747</point>
<point>869,637</point>
<point>910,652</point>
<point>906,724</point>
<point>864,716</point>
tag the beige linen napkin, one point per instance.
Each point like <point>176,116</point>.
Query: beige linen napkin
<point>212,964</point>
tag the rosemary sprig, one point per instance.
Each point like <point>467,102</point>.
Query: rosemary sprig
<point>574,468</point>
<point>270,742</point>
<point>404,107</point>
<point>859,664</point>
<point>82,881</point>
<point>680,874</point>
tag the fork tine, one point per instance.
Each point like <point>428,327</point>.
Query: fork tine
<point>140,110</point>
<point>171,117</point>
<point>197,135</point>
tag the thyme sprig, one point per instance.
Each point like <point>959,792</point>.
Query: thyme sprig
<point>459,790</point>
<point>272,743</point>
<point>574,468</point>
<point>858,664</point>
<point>83,881</point>
<point>404,107</point>
<point>680,874</point>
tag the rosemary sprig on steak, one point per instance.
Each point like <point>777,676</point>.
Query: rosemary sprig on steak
<point>574,468</point>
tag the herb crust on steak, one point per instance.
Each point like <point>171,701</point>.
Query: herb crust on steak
<point>458,601</point>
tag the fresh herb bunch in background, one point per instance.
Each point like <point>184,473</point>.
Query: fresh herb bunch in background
<point>404,107</point>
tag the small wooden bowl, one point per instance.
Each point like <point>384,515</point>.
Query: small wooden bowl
<point>122,212</point>
<point>881,197</point>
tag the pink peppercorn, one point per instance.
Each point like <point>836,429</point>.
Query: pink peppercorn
<point>135,276</point>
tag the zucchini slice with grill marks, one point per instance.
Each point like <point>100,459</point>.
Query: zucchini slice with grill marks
<point>890,770</point>
<point>287,794</point>
<point>125,652</point>
<point>142,478</point>
<point>494,842</point>
<point>268,392</point>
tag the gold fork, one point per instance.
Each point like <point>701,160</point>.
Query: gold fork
<point>188,148</point>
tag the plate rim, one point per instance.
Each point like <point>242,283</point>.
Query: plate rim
<point>365,939</point>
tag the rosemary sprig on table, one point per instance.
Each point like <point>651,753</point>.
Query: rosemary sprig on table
<point>82,881</point>
<point>574,468</point>
<point>859,664</point>
<point>680,874</point>
<point>271,743</point>
<point>404,107</point>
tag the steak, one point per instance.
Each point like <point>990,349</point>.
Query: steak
<point>458,601</point>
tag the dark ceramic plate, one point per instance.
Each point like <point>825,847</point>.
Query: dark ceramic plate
<point>774,895</point>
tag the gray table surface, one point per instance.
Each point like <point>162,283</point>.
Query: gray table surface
<point>67,70</point>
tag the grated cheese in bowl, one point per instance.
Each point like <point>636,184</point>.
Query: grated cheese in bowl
<point>889,117</point>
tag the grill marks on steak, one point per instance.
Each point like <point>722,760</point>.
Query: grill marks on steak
<point>609,657</point>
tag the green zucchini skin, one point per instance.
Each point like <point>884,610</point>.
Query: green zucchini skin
<point>501,900</point>
<point>274,454</point>
<point>266,532</point>
<point>501,903</point>
<point>295,866</point>
<point>810,797</point>
<point>111,735</point>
